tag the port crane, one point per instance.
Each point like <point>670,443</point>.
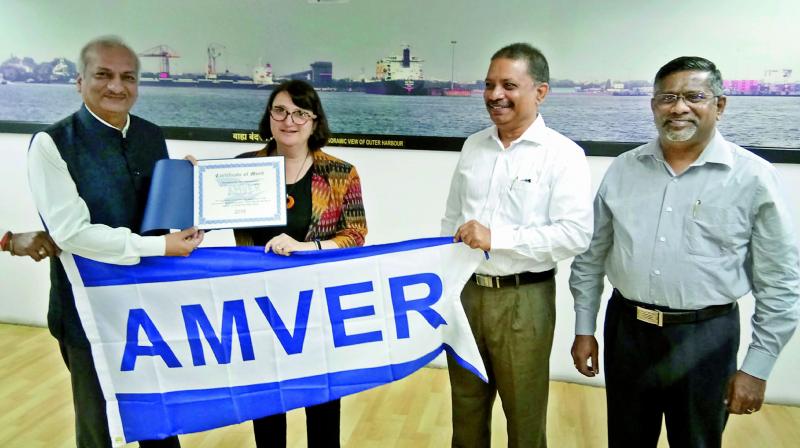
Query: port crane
<point>213,51</point>
<point>165,53</point>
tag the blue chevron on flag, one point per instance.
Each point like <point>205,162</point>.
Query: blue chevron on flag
<point>227,335</point>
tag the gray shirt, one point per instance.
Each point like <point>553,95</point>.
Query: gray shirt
<point>705,237</point>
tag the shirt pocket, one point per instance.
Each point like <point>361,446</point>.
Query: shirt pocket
<point>527,203</point>
<point>708,231</point>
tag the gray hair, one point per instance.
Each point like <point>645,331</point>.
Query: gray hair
<point>537,63</point>
<point>692,63</point>
<point>104,42</point>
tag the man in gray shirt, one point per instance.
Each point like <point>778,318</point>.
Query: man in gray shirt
<point>684,226</point>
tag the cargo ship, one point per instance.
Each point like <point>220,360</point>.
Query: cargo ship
<point>435,89</point>
<point>261,80</point>
<point>398,75</point>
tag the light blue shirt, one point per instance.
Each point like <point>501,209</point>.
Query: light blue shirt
<point>705,237</point>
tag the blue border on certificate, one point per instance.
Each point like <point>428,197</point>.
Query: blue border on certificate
<point>279,217</point>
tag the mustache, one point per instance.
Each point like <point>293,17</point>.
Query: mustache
<point>499,103</point>
<point>669,120</point>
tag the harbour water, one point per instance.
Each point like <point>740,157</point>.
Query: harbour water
<point>749,121</point>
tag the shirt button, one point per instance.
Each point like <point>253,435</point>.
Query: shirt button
<point>657,272</point>
<point>662,239</point>
<point>674,180</point>
<point>669,209</point>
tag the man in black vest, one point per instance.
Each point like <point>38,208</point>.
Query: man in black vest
<point>90,174</point>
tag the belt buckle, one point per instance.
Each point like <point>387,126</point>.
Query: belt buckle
<point>654,317</point>
<point>486,281</point>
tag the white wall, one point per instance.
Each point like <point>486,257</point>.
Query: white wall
<point>404,195</point>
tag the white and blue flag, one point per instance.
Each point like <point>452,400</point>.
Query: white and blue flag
<point>231,334</point>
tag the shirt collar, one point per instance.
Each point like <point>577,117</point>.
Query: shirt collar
<point>124,129</point>
<point>715,152</point>
<point>534,134</point>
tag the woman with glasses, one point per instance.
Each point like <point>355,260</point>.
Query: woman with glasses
<point>324,211</point>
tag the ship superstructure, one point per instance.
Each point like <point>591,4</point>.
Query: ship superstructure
<point>402,67</point>
<point>398,75</point>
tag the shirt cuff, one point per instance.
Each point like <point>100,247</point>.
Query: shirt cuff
<point>585,323</point>
<point>502,238</point>
<point>758,363</point>
<point>150,246</point>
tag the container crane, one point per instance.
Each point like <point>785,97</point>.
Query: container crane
<point>165,53</point>
<point>213,51</point>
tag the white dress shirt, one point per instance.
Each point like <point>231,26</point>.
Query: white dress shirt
<point>534,196</point>
<point>66,215</point>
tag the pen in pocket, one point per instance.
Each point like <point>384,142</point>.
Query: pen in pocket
<point>517,179</point>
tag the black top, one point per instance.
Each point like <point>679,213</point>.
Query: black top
<point>298,218</point>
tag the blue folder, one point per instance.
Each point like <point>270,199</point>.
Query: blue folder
<point>170,203</point>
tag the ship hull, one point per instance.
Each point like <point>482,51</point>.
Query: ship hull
<point>457,92</point>
<point>206,84</point>
<point>397,87</point>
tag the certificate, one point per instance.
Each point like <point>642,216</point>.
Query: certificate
<point>234,193</point>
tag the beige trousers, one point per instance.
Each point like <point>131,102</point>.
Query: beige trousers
<point>513,328</point>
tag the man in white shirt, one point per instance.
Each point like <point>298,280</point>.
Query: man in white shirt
<point>522,193</point>
<point>90,175</point>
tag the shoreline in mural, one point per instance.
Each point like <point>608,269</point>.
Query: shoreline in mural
<point>581,116</point>
<point>401,75</point>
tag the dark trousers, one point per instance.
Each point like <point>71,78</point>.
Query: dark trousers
<point>677,371</point>
<point>322,427</point>
<point>91,424</point>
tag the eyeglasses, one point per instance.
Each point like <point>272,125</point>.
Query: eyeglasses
<point>665,99</point>
<point>299,116</point>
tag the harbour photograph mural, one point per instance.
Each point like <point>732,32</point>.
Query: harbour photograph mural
<point>391,71</point>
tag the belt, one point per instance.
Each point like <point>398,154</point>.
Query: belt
<point>523,278</point>
<point>646,313</point>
